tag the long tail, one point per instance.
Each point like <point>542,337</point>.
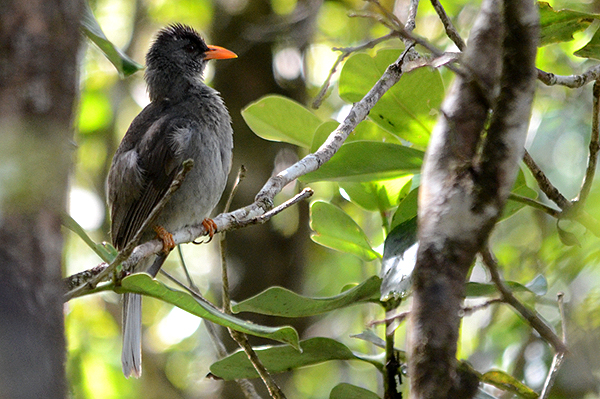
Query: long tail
<point>131,355</point>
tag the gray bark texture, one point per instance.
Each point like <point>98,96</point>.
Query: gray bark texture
<point>467,177</point>
<point>39,40</point>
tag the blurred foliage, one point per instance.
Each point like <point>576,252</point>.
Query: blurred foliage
<point>355,207</point>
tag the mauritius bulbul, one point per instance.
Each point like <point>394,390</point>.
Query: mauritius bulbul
<point>185,119</point>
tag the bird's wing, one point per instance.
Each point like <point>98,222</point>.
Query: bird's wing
<point>147,170</point>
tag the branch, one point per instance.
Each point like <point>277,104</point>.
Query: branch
<point>448,26</point>
<point>545,185</point>
<point>594,147</point>
<point>572,81</point>
<point>507,296</point>
<point>241,338</point>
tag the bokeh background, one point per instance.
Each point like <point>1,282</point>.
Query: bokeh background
<point>285,47</point>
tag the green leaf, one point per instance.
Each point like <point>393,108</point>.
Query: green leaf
<point>566,237</point>
<point>506,382</point>
<point>398,262</point>
<point>380,195</point>
<point>278,301</point>
<point>559,26</point>
<point>409,108</point>
<point>407,209</point>
<point>520,188</point>
<point>348,391</point>
<point>335,229</point>
<point>106,252</point>
<point>365,131</point>
<point>277,118</point>
<point>368,160</point>
<point>278,359</point>
<point>144,284</point>
<point>592,49</point>
<point>125,65</point>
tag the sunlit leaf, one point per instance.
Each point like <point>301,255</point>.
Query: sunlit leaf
<point>278,359</point>
<point>379,195</point>
<point>559,26</point>
<point>399,259</point>
<point>278,301</point>
<point>279,118</point>
<point>368,160</point>
<point>409,108</point>
<point>506,382</point>
<point>335,229</point>
<point>591,49</point>
<point>520,188</point>
<point>125,65</point>
<point>407,209</point>
<point>142,283</point>
<point>348,391</point>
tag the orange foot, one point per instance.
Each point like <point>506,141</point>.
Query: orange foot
<point>211,228</point>
<point>166,238</point>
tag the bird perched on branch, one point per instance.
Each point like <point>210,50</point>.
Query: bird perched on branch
<point>186,119</point>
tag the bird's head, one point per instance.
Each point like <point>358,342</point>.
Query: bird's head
<point>178,55</point>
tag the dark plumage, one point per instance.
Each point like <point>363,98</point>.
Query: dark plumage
<point>185,119</point>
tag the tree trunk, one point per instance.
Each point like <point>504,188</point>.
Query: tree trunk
<point>38,80</point>
<point>468,174</point>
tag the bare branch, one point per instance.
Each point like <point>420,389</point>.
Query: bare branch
<point>559,357</point>
<point>532,317</point>
<point>594,147</point>
<point>572,81</point>
<point>450,29</point>
<point>545,185</point>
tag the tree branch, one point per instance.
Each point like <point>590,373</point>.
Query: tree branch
<point>545,185</point>
<point>532,317</point>
<point>594,147</point>
<point>571,81</point>
<point>448,26</point>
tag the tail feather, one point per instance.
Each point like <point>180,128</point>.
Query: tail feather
<point>131,356</point>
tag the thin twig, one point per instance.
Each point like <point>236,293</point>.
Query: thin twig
<point>535,204</point>
<point>411,19</point>
<point>125,253</point>
<point>399,317</point>
<point>193,286</point>
<point>572,81</point>
<point>545,185</point>
<point>448,26</point>
<point>594,147</point>
<point>507,296</point>
<point>391,23</point>
<point>241,338</point>
<point>559,357</point>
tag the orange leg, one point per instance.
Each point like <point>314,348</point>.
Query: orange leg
<point>166,238</point>
<point>211,228</point>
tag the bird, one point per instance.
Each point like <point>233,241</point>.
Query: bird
<point>185,119</point>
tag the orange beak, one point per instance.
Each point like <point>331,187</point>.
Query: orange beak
<point>218,53</point>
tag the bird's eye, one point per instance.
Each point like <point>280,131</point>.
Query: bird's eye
<point>191,48</point>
